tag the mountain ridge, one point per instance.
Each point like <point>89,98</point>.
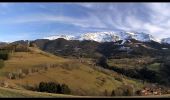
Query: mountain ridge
<point>107,36</point>
<point>165,40</point>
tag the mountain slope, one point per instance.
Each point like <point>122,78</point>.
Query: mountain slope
<point>92,49</point>
<point>15,93</point>
<point>82,78</point>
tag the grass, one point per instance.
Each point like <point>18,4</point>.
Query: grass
<point>8,93</point>
<point>21,60</point>
<point>13,93</point>
<point>81,81</point>
<point>130,63</point>
<point>81,78</point>
<point>154,66</point>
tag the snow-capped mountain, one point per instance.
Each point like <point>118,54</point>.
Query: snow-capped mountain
<point>67,37</point>
<point>165,40</point>
<point>107,36</point>
<point>104,36</point>
<point>143,37</point>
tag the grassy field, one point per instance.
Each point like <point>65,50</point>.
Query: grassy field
<point>154,66</point>
<point>13,93</point>
<point>130,63</point>
<point>81,78</point>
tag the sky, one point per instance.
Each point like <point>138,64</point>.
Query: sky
<point>29,21</point>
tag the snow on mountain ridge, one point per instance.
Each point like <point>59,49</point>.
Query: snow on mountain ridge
<point>107,36</point>
<point>67,37</point>
<point>99,36</point>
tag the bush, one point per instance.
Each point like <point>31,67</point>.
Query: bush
<point>65,89</point>
<point>128,92</point>
<point>102,61</point>
<point>1,64</point>
<point>4,55</point>
<point>113,93</point>
<point>52,87</point>
<point>42,87</point>
<point>119,91</point>
<point>21,48</point>
<point>124,90</point>
<point>118,78</point>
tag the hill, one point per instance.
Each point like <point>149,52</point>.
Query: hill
<point>14,93</point>
<point>82,78</point>
<point>88,68</point>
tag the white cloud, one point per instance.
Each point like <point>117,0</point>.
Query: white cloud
<point>91,21</point>
<point>127,17</point>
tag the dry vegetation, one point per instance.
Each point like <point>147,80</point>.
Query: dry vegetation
<point>130,62</point>
<point>81,78</point>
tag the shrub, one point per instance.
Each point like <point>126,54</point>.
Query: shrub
<point>22,75</point>
<point>1,64</point>
<point>15,76</point>
<point>10,75</point>
<point>102,61</point>
<point>128,91</point>
<point>42,87</point>
<point>138,92</point>
<point>21,48</point>
<point>113,93</point>
<point>4,55</point>
<point>119,91</point>
<point>32,45</point>
<point>118,78</point>
<point>65,89</point>
<point>124,90</point>
<point>105,93</point>
<point>53,87</point>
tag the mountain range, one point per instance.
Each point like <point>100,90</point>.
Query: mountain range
<point>93,62</point>
<point>111,37</point>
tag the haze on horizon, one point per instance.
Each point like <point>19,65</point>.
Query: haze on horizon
<point>28,21</point>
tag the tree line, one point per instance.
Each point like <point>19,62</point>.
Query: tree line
<point>52,87</point>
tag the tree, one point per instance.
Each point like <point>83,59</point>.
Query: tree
<point>42,87</point>
<point>59,88</point>
<point>4,55</point>
<point>119,91</point>
<point>124,90</point>
<point>147,74</point>
<point>65,89</point>
<point>105,92</point>
<point>113,93</point>
<point>165,72</point>
<point>53,87</point>
<point>102,61</point>
<point>128,92</point>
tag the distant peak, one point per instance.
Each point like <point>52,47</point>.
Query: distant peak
<point>107,36</point>
<point>165,40</point>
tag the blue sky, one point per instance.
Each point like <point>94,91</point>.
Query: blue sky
<point>22,21</point>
